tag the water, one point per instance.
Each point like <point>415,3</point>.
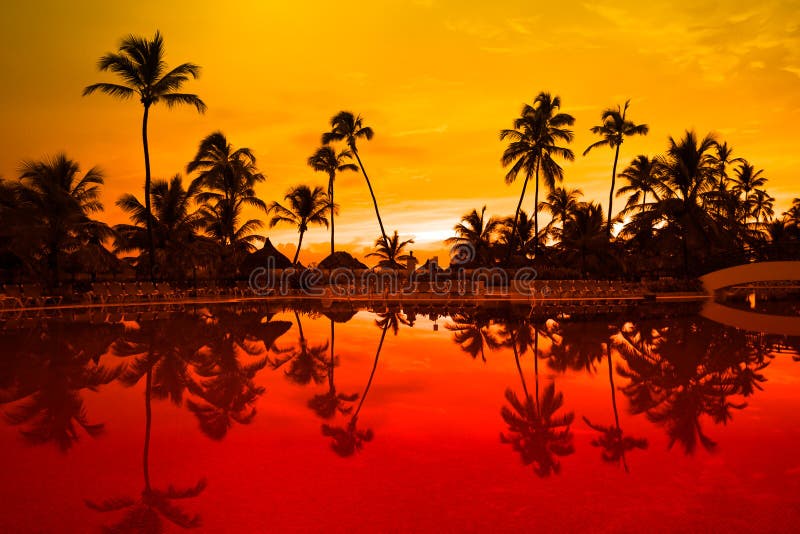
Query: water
<point>254,434</point>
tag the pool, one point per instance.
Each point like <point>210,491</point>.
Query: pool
<point>236,418</point>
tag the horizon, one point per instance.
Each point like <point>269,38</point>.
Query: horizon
<point>436,84</point>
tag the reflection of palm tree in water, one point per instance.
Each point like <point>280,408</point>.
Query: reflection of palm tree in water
<point>144,514</point>
<point>307,361</point>
<point>327,404</point>
<point>535,431</point>
<point>349,439</point>
<point>611,438</point>
<point>43,373</point>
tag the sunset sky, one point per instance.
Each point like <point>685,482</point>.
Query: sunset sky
<point>436,80</point>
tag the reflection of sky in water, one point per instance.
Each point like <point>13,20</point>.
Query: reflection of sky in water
<point>403,428</point>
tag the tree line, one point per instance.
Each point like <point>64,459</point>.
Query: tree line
<point>685,209</point>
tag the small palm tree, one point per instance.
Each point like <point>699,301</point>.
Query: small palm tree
<point>614,130</point>
<point>347,127</point>
<point>533,144</point>
<point>177,228</point>
<point>475,232</point>
<point>722,160</point>
<point>62,201</point>
<point>560,204</point>
<point>225,181</point>
<point>747,178</point>
<point>306,206</point>
<point>762,206</point>
<point>326,160</point>
<point>643,176</point>
<point>391,251</point>
<point>140,64</point>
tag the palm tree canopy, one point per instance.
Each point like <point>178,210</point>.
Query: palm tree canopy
<point>615,128</point>
<point>305,206</point>
<point>140,64</point>
<point>347,127</point>
<point>391,251</point>
<point>534,140</point>
<point>326,160</point>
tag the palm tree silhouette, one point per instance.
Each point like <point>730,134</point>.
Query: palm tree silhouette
<point>747,178</point>
<point>560,204</point>
<point>326,160</point>
<point>226,180</point>
<point>762,206</point>
<point>474,332</point>
<point>327,404</point>
<point>61,202</point>
<point>524,237</point>
<point>614,130</point>
<point>584,237</point>
<point>474,231</point>
<point>533,145</point>
<point>347,127</point>
<point>306,206</point>
<point>391,251</point>
<point>176,228</point>
<point>643,176</point>
<point>139,62</point>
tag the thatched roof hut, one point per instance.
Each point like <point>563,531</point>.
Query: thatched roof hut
<point>341,260</point>
<point>267,256</point>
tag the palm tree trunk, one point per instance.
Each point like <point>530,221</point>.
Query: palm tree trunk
<point>536,364</point>
<point>536,217</point>
<point>611,194</point>
<point>372,194</point>
<point>148,422</point>
<point>371,375</point>
<point>299,326</point>
<point>614,403</point>
<point>330,197</point>
<point>150,243</point>
<point>519,367</point>
<point>297,253</point>
<point>513,237</point>
<point>332,363</point>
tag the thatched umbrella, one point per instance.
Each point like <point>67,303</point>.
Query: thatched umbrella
<point>267,256</point>
<point>341,260</point>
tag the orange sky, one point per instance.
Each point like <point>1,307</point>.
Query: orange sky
<point>436,80</point>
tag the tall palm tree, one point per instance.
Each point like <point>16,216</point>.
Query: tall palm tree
<point>326,160</point>
<point>746,179</point>
<point>347,127</point>
<point>325,405</point>
<point>176,228</point>
<point>643,176</point>
<point>140,64</point>
<point>614,129</point>
<point>533,144</point>
<point>308,363</point>
<point>306,206</point>
<point>476,232</point>
<point>62,201</point>
<point>391,251</point>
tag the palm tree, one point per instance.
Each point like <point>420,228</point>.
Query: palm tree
<point>326,160</point>
<point>722,159</point>
<point>347,127</point>
<point>325,405</point>
<point>762,206</point>
<point>533,145</point>
<point>614,130</point>
<point>307,361</point>
<point>746,179</point>
<point>643,176</point>
<point>560,204</point>
<point>524,236</point>
<point>306,206</point>
<point>583,236</point>
<point>391,251</point>
<point>176,228</point>
<point>226,180</point>
<point>62,202</point>
<point>140,64</point>
<point>475,232</point>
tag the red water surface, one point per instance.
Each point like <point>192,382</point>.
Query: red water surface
<point>436,461</point>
